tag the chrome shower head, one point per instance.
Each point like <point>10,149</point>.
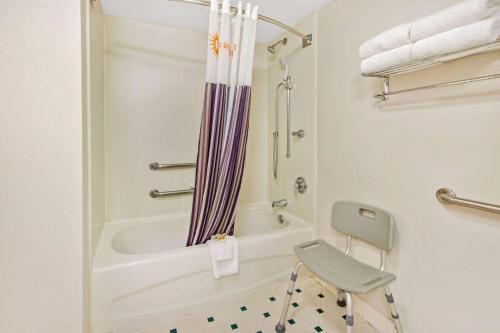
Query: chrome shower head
<point>273,47</point>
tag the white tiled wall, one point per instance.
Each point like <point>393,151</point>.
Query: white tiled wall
<point>155,79</point>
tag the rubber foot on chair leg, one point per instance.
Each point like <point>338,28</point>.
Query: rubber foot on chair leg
<point>280,328</point>
<point>341,303</point>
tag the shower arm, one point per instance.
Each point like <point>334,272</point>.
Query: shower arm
<point>306,38</point>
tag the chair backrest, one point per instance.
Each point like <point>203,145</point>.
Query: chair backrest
<point>370,224</point>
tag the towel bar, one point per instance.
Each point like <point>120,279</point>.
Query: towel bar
<point>448,197</point>
<point>385,95</point>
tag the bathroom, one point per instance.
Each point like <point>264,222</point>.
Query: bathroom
<point>102,119</point>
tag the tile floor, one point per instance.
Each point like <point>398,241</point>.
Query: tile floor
<point>313,310</point>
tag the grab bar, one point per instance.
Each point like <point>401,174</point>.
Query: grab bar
<point>155,166</point>
<point>448,197</point>
<point>155,194</point>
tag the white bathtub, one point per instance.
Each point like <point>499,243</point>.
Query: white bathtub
<point>143,272</point>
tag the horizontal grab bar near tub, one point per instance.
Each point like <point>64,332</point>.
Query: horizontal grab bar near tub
<point>448,197</point>
<point>155,166</point>
<point>155,194</point>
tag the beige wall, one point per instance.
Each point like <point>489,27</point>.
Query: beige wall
<point>155,78</point>
<point>397,154</point>
<point>41,185</point>
<point>302,70</point>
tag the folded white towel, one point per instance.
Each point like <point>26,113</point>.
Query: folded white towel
<point>462,38</point>
<point>461,14</point>
<point>221,249</point>
<point>390,39</point>
<point>225,249</point>
<point>384,60</point>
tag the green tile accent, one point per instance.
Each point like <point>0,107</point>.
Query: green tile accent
<point>321,295</point>
<point>272,299</point>
<point>243,308</point>
<point>295,304</point>
<point>298,290</point>
<point>291,321</point>
<point>210,319</point>
<point>234,326</point>
<point>318,329</point>
<point>266,314</point>
<point>174,330</point>
<point>320,311</point>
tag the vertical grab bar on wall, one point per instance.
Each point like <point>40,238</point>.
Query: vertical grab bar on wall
<point>276,132</point>
<point>288,86</point>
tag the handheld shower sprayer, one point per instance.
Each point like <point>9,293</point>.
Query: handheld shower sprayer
<point>284,66</point>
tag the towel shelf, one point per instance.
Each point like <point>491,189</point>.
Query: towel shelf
<point>429,62</point>
<point>448,197</point>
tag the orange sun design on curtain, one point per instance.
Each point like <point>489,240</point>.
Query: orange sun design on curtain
<point>214,43</point>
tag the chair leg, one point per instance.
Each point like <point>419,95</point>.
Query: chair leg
<point>349,318</point>
<point>394,311</point>
<point>340,298</point>
<point>280,327</point>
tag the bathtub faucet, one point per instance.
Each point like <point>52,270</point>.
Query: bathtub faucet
<point>280,203</point>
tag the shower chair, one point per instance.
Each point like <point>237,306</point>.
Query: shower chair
<point>348,275</point>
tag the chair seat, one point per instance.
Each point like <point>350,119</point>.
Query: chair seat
<point>336,268</point>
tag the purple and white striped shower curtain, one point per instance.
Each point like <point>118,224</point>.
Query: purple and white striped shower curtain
<point>224,123</point>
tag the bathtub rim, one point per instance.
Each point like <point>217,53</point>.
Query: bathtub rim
<point>108,258</point>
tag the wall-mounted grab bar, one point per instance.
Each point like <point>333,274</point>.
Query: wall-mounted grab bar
<point>155,194</point>
<point>449,197</point>
<point>155,166</point>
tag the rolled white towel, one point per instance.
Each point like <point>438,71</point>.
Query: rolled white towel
<point>461,14</point>
<point>387,40</point>
<point>462,38</point>
<point>384,60</point>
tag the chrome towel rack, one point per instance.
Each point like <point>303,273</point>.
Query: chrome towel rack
<point>385,95</point>
<point>448,197</point>
<point>155,166</point>
<point>432,61</point>
<point>155,194</point>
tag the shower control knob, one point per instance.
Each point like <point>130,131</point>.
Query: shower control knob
<point>301,185</point>
<point>299,134</point>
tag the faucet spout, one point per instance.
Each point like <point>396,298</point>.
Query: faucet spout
<point>280,203</point>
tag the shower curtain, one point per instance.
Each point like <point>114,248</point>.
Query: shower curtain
<point>224,123</point>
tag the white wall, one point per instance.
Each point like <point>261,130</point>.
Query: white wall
<point>154,83</point>
<point>41,183</point>
<point>397,154</point>
<point>302,70</point>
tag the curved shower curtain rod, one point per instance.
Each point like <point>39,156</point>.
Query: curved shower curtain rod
<point>306,39</point>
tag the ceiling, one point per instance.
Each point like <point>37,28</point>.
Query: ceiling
<point>194,17</point>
